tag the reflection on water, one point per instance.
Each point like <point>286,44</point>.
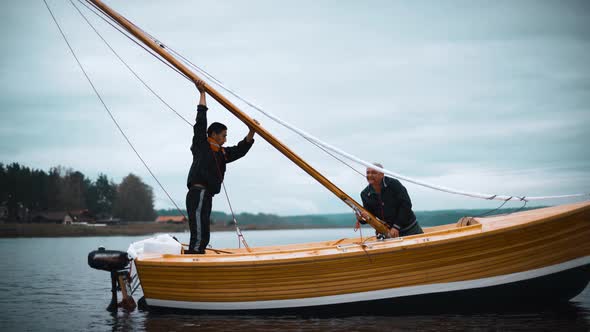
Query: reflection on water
<point>47,286</point>
<point>570,317</point>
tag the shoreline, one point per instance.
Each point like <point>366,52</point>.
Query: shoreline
<point>129,229</point>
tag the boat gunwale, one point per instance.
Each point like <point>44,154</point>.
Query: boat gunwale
<point>258,258</point>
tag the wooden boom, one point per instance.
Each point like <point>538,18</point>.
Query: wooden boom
<point>379,225</point>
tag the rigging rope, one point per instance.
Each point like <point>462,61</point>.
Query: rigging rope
<point>241,238</point>
<point>127,65</point>
<point>338,151</point>
<point>106,107</point>
<point>317,141</point>
<point>122,30</point>
<point>238,231</point>
<point>188,63</point>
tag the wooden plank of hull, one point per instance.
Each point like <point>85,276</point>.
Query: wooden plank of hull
<point>528,293</point>
<point>505,248</point>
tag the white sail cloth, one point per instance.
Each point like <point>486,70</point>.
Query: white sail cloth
<point>500,197</point>
<point>158,245</point>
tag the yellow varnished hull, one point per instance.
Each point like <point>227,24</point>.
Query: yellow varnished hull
<point>540,240</point>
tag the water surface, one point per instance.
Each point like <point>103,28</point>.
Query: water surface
<point>46,285</point>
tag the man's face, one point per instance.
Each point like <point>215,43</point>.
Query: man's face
<point>374,177</point>
<point>220,138</point>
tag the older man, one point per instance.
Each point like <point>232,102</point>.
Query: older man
<point>387,199</point>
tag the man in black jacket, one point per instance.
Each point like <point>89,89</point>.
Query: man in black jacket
<point>387,199</point>
<point>207,171</point>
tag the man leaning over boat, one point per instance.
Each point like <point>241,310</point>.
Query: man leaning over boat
<point>207,171</point>
<point>387,199</point>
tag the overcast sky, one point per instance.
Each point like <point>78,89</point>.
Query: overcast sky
<point>485,96</point>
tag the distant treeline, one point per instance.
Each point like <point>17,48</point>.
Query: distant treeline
<point>25,192</point>
<point>425,218</point>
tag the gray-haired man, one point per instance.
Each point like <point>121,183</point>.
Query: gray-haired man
<point>387,199</point>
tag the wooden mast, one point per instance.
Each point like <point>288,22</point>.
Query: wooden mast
<point>379,225</point>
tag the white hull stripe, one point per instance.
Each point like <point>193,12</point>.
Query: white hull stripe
<point>374,295</point>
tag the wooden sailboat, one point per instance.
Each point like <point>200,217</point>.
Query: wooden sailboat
<point>532,256</point>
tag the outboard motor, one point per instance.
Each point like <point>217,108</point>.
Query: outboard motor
<point>108,260</point>
<point>117,263</point>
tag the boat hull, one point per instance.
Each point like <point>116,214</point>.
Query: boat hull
<point>536,257</point>
<point>535,292</point>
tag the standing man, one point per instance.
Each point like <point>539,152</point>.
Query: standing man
<point>207,171</point>
<point>387,199</point>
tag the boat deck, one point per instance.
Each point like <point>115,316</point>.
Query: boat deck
<point>464,228</point>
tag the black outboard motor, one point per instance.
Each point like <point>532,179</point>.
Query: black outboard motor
<point>117,263</point>
<point>108,260</point>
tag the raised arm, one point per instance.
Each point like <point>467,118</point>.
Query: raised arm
<point>236,152</point>
<point>200,127</point>
<point>250,136</point>
<point>201,87</point>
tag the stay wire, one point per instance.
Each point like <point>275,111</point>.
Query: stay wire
<point>123,31</point>
<point>241,237</point>
<point>202,71</point>
<point>129,67</point>
<point>107,109</point>
<point>355,159</point>
<point>218,83</point>
<point>333,156</point>
<point>183,59</point>
<point>190,64</point>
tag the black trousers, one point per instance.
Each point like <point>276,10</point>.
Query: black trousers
<point>198,207</point>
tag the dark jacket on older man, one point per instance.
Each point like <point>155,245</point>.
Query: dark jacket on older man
<point>392,205</point>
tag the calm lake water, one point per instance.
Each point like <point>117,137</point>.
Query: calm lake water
<point>46,285</point>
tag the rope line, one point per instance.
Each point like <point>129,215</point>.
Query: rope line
<point>190,64</point>
<point>310,137</point>
<point>123,31</point>
<point>241,238</point>
<point>499,207</point>
<point>106,107</point>
<point>211,77</point>
<point>129,67</point>
<point>323,145</point>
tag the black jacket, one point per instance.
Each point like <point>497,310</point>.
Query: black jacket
<point>393,205</point>
<point>208,167</point>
